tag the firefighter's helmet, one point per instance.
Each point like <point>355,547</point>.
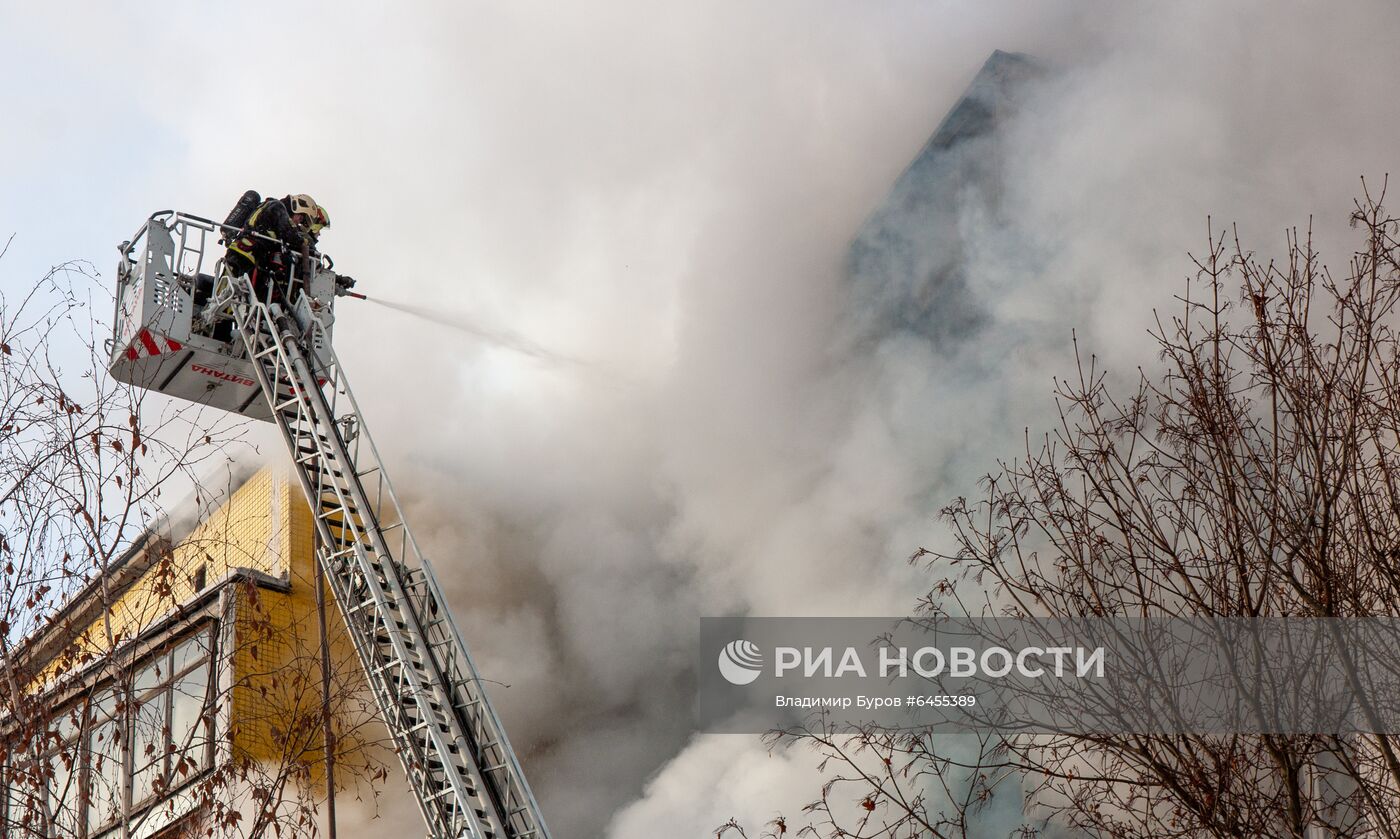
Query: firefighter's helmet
<point>316,216</point>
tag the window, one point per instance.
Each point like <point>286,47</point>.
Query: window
<point>62,770</point>
<point>21,808</point>
<point>150,731</point>
<point>49,785</point>
<point>105,758</point>
<point>171,733</point>
<point>106,748</point>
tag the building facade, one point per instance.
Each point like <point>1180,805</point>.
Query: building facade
<point>185,688</point>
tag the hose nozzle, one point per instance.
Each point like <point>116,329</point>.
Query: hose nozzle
<point>343,284</point>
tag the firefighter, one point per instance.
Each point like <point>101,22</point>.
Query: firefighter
<point>294,222</point>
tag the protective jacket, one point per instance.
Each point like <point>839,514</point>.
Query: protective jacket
<point>272,219</point>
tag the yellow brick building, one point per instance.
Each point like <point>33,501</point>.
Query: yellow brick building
<point>186,684</point>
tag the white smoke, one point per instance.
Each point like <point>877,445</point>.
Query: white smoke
<point>669,193</point>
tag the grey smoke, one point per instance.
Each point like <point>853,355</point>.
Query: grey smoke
<point>800,426</point>
<point>791,481</point>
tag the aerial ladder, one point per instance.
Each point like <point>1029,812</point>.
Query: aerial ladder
<point>188,328</point>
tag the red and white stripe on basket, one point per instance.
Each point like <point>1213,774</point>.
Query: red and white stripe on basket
<point>145,344</point>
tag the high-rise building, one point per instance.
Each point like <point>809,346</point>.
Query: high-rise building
<point>908,262</point>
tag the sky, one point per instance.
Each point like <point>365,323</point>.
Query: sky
<point>663,195</point>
